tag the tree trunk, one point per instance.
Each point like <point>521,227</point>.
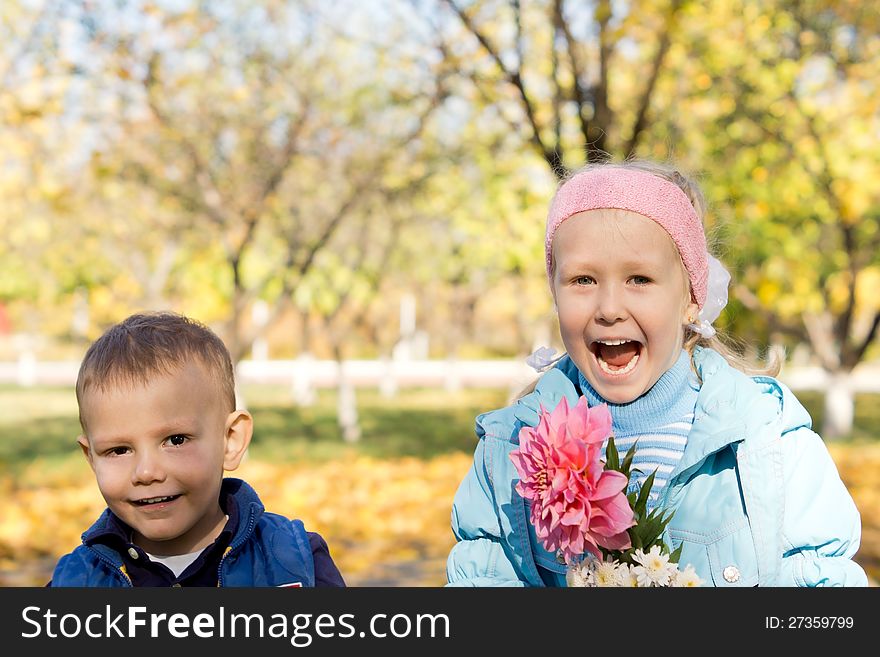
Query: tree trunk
<point>302,390</point>
<point>346,404</point>
<point>388,382</point>
<point>839,407</point>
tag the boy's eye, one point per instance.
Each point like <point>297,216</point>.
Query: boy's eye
<point>176,440</point>
<point>116,451</point>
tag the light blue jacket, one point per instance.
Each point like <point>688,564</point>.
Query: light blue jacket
<point>757,499</point>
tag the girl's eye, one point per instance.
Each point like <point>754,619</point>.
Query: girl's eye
<point>641,280</point>
<point>583,280</point>
<point>176,440</point>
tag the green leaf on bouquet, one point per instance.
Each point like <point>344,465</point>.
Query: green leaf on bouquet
<point>650,526</point>
<point>628,459</point>
<point>653,527</point>
<point>652,530</point>
<point>675,555</point>
<point>642,501</point>
<point>636,539</point>
<point>612,457</point>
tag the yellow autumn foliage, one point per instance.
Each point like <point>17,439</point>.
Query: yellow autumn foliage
<point>386,521</point>
<point>859,467</point>
<point>376,515</point>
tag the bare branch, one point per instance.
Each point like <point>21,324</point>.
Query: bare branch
<point>825,183</point>
<point>821,334</point>
<point>747,298</point>
<point>645,102</point>
<point>859,351</point>
<point>602,114</point>
<point>514,77</point>
<point>212,203</point>
<point>518,44</point>
<point>578,93</point>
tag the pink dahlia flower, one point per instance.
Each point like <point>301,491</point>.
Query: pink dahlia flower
<point>577,505</point>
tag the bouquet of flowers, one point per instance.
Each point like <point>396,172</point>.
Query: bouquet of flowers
<point>580,508</point>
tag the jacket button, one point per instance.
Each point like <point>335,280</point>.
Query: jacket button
<point>133,553</point>
<point>731,574</point>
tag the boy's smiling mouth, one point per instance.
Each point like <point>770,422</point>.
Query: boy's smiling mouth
<point>150,501</point>
<point>616,356</point>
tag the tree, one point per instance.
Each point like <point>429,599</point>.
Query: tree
<point>263,130</point>
<point>37,156</point>
<point>786,124</point>
<point>575,80</point>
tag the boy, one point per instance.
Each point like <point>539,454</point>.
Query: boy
<point>156,398</point>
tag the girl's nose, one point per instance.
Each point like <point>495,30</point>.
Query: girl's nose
<point>611,307</point>
<point>148,469</point>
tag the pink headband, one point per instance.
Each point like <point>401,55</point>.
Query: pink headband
<point>646,194</point>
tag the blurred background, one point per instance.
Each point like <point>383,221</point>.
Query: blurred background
<point>353,195</point>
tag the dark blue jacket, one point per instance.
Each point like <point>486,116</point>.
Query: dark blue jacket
<point>266,549</point>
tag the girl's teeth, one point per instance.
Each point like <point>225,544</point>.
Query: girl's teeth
<point>626,369</point>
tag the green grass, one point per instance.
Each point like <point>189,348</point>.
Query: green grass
<point>38,426</point>
<point>866,423</point>
<point>419,423</point>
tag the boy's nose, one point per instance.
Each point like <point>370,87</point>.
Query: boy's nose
<point>148,469</point>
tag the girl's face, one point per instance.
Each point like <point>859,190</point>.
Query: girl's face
<point>623,298</point>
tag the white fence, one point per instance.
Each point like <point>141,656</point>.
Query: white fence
<point>307,373</point>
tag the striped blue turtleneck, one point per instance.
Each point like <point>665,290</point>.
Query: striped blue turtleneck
<point>660,420</point>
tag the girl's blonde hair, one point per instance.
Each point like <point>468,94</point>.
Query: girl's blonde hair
<point>692,339</point>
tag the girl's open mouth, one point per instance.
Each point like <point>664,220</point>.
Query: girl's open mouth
<point>616,357</point>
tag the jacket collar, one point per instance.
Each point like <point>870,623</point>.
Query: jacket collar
<point>731,407</point>
<point>250,508</point>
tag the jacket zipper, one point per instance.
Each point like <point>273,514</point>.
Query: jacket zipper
<point>117,570</point>
<point>234,546</point>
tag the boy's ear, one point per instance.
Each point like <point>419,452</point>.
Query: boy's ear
<point>86,449</point>
<point>239,429</point>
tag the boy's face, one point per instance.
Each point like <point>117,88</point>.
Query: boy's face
<point>159,451</point>
<point>622,297</point>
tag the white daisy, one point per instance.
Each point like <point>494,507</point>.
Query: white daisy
<point>687,577</point>
<point>607,573</point>
<point>642,576</point>
<point>579,575</point>
<point>628,577</point>
<point>654,568</point>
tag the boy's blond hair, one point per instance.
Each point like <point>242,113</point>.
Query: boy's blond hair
<point>145,345</point>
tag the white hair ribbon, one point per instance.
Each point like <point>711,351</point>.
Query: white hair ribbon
<point>542,359</point>
<point>716,299</point>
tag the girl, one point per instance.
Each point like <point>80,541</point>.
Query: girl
<point>757,499</point>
